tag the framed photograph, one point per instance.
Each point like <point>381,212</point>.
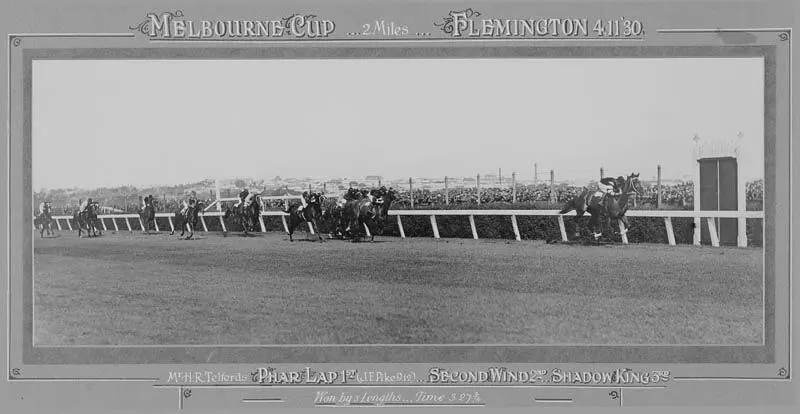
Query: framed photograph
<point>359,204</point>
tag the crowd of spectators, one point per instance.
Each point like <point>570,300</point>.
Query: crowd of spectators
<point>675,195</point>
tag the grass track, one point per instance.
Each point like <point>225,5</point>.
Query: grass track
<point>130,289</point>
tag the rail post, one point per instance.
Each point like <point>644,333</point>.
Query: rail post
<point>516,227</point>
<point>411,191</point>
<point>435,227</point>
<point>479,188</point>
<point>670,231</point>
<point>446,191</point>
<point>472,226</point>
<point>552,186</point>
<point>400,226</point>
<point>562,228</point>
<point>219,209</point>
<point>658,186</point>
<point>513,187</point>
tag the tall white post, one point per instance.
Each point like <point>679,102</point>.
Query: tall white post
<point>741,194</point>
<point>696,185</point>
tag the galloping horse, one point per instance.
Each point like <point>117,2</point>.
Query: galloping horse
<point>148,215</point>
<point>247,217</point>
<point>604,207</point>
<point>88,219</point>
<point>188,221</point>
<point>311,213</point>
<point>371,211</point>
<point>44,221</point>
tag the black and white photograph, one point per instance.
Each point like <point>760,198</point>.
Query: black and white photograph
<point>583,201</point>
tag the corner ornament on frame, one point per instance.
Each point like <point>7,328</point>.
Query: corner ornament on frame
<point>446,24</point>
<point>784,36</point>
<point>146,24</point>
<point>16,41</point>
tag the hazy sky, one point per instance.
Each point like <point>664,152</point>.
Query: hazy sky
<point>108,123</point>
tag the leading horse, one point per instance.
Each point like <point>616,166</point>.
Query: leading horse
<point>374,212</point>
<point>604,207</point>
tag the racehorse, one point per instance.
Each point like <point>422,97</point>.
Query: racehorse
<point>371,210</point>
<point>604,207</point>
<point>44,222</point>
<point>88,219</point>
<point>189,220</point>
<point>311,213</point>
<point>247,217</point>
<point>148,215</point>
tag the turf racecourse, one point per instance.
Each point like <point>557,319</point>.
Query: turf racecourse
<point>131,289</point>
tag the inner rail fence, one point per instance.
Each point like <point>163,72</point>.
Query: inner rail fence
<point>667,215</point>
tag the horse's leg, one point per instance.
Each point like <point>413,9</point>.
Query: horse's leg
<point>316,229</point>
<point>372,229</point>
<point>594,224</point>
<point>578,217</point>
<point>191,230</point>
<point>291,226</point>
<point>625,224</point>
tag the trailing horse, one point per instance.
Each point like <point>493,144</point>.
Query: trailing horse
<point>311,213</point>
<point>88,220</point>
<point>188,221</point>
<point>247,217</point>
<point>148,216</point>
<point>44,222</point>
<point>604,207</point>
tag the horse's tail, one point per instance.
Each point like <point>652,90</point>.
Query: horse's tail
<point>568,207</point>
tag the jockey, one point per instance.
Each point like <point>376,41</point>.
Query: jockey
<point>85,205</point>
<point>244,194</point>
<point>611,185</point>
<point>352,194</point>
<point>191,201</point>
<point>249,198</point>
<point>44,207</point>
<point>144,202</point>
